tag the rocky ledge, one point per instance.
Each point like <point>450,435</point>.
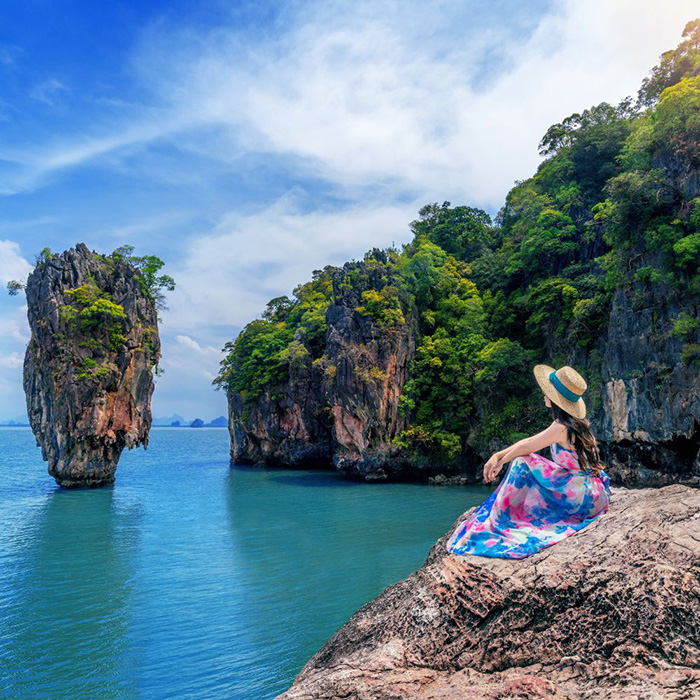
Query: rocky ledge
<point>613,611</point>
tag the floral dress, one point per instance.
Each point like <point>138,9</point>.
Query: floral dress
<point>538,503</point>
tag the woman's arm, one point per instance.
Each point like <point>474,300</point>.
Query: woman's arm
<point>554,433</point>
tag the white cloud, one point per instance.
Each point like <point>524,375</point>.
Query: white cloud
<point>13,360</point>
<point>228,276</point>
<point>15,328</point>
<point>187,354</point>
<point>12,265</point>
<point>14,335</point>
<point>381,93</point>
<point>185,386</point>
<point>207,352</point>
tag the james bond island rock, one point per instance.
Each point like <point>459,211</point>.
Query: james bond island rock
<point>611,612</point>
<point>423,368</point>
<point>88,367</point>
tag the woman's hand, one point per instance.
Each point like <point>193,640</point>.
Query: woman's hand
<point>491,468</point>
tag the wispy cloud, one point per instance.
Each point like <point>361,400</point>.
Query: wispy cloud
<point>186,384</point>
<point>382,92</point>
<point>144,226</point>
<point>14,335</point>
<point>206,352</point>
<point>48,91</point>
<point>14,328</point>
<point>228,276</point>
<point>371,96</point>
<point>31,167</point>
<point>14,359</point>
<point>13,266</point>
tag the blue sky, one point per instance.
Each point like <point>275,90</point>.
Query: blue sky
<point>249,143</point>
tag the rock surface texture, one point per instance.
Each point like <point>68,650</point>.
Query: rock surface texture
<point>646,400</point>
<point>88,367</point>
<point>611,612</point>
<point>343,410</point>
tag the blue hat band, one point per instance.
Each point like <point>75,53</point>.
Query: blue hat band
<point>566,393</point>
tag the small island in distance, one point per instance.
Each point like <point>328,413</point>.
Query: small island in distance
<point>177,421</point>
<point>174,421</point>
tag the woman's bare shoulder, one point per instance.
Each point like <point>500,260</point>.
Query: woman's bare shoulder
<point>559,429</point>
<point>553,432</point>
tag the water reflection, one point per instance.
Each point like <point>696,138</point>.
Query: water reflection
<point>188,580</point>
<point>68,574</point>
<point>313,547</point>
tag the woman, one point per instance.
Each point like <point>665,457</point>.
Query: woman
<point>540,501</point>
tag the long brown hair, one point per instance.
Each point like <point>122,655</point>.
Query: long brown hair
<point>578,434</point>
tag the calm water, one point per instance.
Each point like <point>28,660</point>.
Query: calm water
<point>189,579</point>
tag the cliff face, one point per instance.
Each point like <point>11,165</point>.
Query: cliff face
<point>643,400</point>
<point>88,367</point>
<point>342,409</point>
<point>613,611</point>
<point>647,407</point>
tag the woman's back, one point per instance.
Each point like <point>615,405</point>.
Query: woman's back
<point>565,457</point>
<point>541,501</point>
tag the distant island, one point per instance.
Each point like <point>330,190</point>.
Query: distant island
<point>177,421</point>
<point>174,421</point>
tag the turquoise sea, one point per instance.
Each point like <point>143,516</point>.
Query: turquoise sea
<point>188,578</point>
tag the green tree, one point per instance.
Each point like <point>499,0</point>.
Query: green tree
<point>676,64</point>
<point>464,232</point>
<point>148,266</point>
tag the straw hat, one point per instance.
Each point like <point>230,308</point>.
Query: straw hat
<point>564,387</point>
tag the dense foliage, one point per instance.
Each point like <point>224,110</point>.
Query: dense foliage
<point>288,331</point>
<point>91,313</point>
<point>147,266</point>
<point>613,203</point>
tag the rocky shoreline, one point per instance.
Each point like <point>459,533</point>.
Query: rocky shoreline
<point>613,611</point>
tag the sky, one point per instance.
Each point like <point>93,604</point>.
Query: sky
<point>249,143</point>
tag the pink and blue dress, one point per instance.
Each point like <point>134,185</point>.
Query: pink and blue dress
<point>538,503</point>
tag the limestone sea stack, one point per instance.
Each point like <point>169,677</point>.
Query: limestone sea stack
<point>611,612</point>
<point>342,409</point>
<point>88,367</point>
